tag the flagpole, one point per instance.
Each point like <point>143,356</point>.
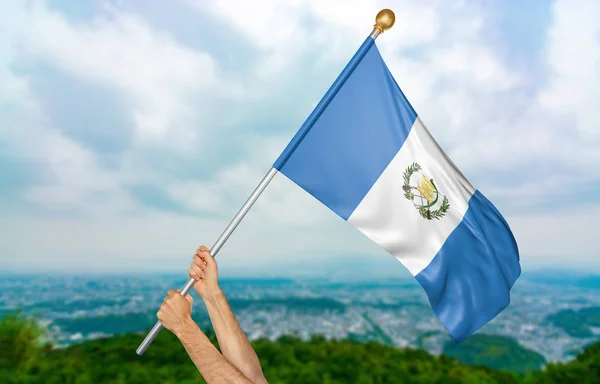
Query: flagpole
<point>383,21</point>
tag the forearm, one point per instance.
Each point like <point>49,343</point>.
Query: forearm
<point>212,365</point>
<point>232,339</point>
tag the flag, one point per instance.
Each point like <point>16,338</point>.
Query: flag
<point>366,155</point>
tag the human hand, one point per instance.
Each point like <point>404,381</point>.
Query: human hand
<point>204,270</point>
<point>175,313</point>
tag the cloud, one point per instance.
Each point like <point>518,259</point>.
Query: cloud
<point>167,88</point>
<point>573,53</point>
<point>158,76</point>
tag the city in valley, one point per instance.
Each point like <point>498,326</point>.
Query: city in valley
<point>553,317</point>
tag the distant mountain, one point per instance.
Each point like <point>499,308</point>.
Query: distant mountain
<point>498,352</point>
<point>591,282</point>
<point>577,323</point>
<point>563,278</point>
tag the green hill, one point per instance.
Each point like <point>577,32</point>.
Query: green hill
<point>24,359</point>
<point>585,369</point>
<point>577,323</point>
<point>497,352</point>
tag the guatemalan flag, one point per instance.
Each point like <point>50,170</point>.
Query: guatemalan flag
<point>365,154</point>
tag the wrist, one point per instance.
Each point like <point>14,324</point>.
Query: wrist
<point>187,326</point>
<point>213,295</point>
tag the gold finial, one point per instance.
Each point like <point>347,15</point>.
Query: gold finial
<point>384,20</point>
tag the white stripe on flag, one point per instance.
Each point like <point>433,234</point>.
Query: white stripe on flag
<point>393,222</point>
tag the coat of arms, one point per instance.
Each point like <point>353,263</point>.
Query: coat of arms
<point>424,196</point>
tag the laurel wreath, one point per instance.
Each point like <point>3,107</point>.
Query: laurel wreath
<point>414,167</point>
<point>424,212</point>
<point>436,213</point>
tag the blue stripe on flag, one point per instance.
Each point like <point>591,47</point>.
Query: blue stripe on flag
<point>468,282</point>
<point>351,136</point>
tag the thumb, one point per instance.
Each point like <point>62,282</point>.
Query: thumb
<point>189,298</point>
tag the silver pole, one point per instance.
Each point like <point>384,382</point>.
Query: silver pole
<point>374,33</point>
<point>214,250</point>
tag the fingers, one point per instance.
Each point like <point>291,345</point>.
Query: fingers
<point>172,293</point>
<point>171,305</point>
<point>161,312</point>
<point>195,272</point>
<point>199,261</point>
<point>169,295</point>
<point>202,259</point>
<point>204,253</point>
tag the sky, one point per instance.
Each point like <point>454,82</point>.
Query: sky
<point>132,132</point>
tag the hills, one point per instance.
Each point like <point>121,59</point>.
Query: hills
<point>24,358</point>
<point>499,352</point>
<point>577,323</point>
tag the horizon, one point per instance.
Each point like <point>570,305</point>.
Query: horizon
<point>402,277</point>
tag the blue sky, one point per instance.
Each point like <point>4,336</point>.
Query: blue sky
<point>132,132</point>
